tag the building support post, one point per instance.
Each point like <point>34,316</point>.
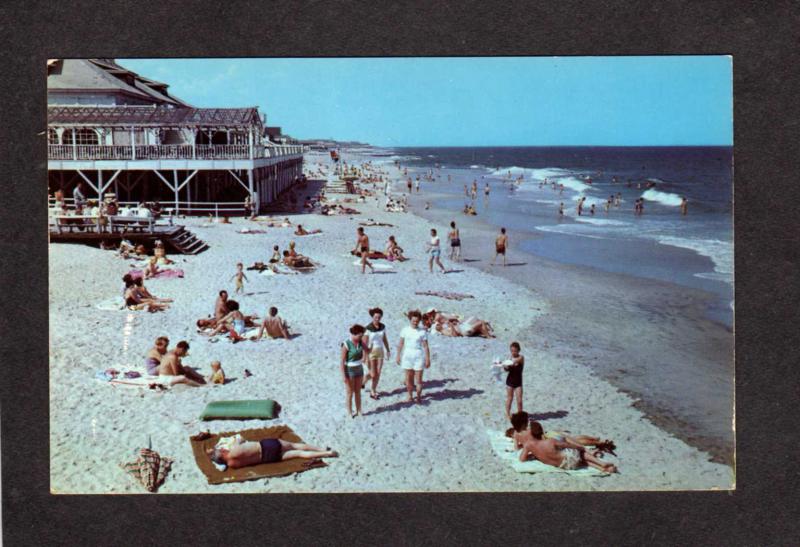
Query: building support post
<point>250,185</point>
<point>175,181</point>
<point>133,144</point>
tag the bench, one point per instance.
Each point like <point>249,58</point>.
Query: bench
<point>119,223</point>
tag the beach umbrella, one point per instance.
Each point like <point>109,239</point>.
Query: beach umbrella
<point>150,469</point>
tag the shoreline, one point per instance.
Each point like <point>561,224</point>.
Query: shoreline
<point>590,281</point>
<point>441,445</point>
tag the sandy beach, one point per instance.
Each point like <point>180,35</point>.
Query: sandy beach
<point>440,445</point>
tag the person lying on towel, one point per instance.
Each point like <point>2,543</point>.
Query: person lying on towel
<point>236,452</point>
<point>564,454</point>
<point>520,434</point>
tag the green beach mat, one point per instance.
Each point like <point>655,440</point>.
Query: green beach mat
<point>264,409</point>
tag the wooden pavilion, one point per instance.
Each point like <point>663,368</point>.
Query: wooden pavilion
<point>120,132</point>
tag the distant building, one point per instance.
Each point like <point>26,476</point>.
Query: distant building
<point>123,133</point>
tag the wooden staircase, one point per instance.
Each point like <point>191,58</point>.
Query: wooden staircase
<point>185,242</point>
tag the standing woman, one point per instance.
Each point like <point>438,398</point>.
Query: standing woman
<point>376,340</point>
<point>353,359</point>
<point>413,354</point>
<point>455,242</point>
<point>435,249</point>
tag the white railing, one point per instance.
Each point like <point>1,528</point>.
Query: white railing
<point>167,151</point>
<point>168,208</point>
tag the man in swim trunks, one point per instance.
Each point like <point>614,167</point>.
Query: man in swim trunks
<point>221,305</point>
<point>500,245</point>
<point>173,371</point>
<point>564,454</point>
<point>273,325</point>
<point>241,453</point>
<point>152,361</point>
<point>362,249</point>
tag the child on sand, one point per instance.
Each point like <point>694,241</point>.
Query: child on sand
<point>276,255</point>
<point>217,375</point>
<point>514,378</point>
<point>240,278</point>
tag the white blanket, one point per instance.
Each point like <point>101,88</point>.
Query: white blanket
<point>376,265</point>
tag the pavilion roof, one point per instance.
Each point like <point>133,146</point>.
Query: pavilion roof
<point>153,116</point>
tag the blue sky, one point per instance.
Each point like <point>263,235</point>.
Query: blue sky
<point>470,101</point>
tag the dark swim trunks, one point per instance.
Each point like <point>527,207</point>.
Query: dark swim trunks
<point>270,450</point>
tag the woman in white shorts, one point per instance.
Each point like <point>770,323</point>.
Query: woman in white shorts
<point>413,354</point>
<point>376,341</point>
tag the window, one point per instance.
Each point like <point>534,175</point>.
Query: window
<point>52,136</point>
<point>82,136</point>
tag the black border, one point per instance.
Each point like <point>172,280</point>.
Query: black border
<point>762,39</point>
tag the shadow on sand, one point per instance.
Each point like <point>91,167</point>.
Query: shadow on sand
<point>549,415</point>
<point>427,397</point>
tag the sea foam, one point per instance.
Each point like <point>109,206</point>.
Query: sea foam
<point>664,198</point>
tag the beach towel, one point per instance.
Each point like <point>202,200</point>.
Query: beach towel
<point>150,469</point>
<point>376,266</point>
<point>445,294</point>
<point>504,448</point>
<point>264,409</point>
<point>149,382</point>
<point>162,274</point>
<point>204,441</point>
<point>249,231</point>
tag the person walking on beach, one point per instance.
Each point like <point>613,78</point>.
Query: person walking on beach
<point>455,243</point>
<point>240,278</point>
<point>434,247</point>
<point>413,354</point>
<point>500,246</point>
<point>362,248</point>
<point>514,378</point>
<point>376,341</point>
<point>408,184</point>
<point>353,359</point>
<point>684,205</point>
<point>417,185</point>
<point>561,210</point>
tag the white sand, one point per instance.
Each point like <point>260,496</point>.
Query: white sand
<point>438,446</point>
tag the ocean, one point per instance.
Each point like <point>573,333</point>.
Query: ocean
<point>693,250</point>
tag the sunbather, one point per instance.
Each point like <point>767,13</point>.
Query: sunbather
<point>241,453</point>
<point>173,371</point>
<point>233,323</point>
<point>300,231</point>
<point>520,433</point>
<point>394,251</point>
<point>297,261</point>
<point>273,325</point>
<point>152,360</point>
<point>135,301</point>
<point>471,326</point>
<point>564,454</point>
<point>160,253</point>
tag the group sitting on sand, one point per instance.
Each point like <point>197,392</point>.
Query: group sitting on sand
<point>137,297</point>
<point>558,448</point>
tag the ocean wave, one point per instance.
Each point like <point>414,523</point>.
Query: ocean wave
<point>570,230</point>
<point>574,184</point>
<point>475,166</point>
<point>664,198</point>
<point>601,221</point>
<point>531,173</point>
<point>720,253</point>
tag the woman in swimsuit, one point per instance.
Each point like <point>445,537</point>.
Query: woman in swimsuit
<point>233,323</point>
<point>240,453</point>
<point>455,243</point>
<point>436,251</point>
<point>152,359</point>
<point>353,359</point>
<point>135,301</point>
<point>376,341</point>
